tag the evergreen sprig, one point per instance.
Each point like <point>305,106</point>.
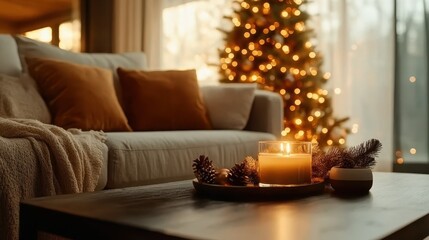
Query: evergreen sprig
<point>362,155</point>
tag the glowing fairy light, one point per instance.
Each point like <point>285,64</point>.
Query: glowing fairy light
<point>284,33</point>
<point>285,13</point>
<point>236,22</point>
<point>398,154</point>
<point>245,5</point>
<point>355,128</point>
<point>299,26</point>
<point>327,75</point>
<point>317,113</point>
<point>337,91</point>
<point>251,46</point>
<point>285,49</point>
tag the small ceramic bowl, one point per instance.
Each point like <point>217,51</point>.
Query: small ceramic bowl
<point>353,181</point>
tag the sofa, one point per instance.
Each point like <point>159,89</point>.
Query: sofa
<point>147,157</point>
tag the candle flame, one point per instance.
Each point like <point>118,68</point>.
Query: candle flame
<point>282,148</point>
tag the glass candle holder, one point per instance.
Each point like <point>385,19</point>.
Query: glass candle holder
<point>284,162</point>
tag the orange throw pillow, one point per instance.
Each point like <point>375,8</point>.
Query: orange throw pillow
<point>163,100</point>
<point>78,96</point>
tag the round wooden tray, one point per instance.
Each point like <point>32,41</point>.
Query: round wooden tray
<point>255,193</point>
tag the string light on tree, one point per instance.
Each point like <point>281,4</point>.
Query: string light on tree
<point>275,48</point>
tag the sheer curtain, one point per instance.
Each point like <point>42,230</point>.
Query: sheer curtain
<point>357,40</point>
<point>183,34</point>
<point>127,24</point>
<point>355,37</point>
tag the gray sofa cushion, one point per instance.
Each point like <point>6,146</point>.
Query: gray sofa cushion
<point>139,158</point>
<point>9,60</point>
<point>229,104</point>
<point>19,98</point>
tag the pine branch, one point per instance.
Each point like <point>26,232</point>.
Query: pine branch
<point>364,154</point>
<point>323,162</point>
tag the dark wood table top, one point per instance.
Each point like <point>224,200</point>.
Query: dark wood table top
<point>397,207</point>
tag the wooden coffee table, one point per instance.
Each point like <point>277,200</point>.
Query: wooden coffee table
<point>396,208</point>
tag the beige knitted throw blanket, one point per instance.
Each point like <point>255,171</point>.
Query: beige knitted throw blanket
<point>38,159</point>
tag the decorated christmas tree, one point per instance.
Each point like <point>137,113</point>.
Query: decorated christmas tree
<point>271,45</point>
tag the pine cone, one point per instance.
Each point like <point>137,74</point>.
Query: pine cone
<point>238,175</point>
<point>204,170</point>
<point>252,170</point>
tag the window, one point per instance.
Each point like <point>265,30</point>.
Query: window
<point>189,36</point>
<point>68,35</point>
<point>411,92</point>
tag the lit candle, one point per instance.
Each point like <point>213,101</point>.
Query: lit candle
<point>282,162</point>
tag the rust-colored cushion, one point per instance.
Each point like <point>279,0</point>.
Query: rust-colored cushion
<point>162,100</point>
<point>78,96</point>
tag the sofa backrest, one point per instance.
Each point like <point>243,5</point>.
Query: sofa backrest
<point>9,57</point>
<point>30,48</point>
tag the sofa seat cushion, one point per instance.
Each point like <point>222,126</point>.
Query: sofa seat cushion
<point>140,158</point>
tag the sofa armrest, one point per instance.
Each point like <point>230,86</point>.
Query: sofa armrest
<point>267,113</point>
